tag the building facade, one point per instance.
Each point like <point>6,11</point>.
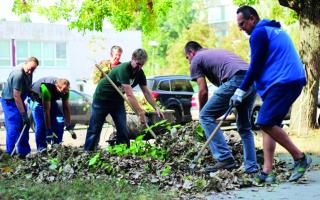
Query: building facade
<point>220,14</point>
<point>62,52</point>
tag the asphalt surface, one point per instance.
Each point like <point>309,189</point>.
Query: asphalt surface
<point>308,190</point>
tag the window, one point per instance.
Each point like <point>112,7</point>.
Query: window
<point>216,14</point>
<point>181,86</point>
<point>5,53</point>
<point>164,85</point>
<point>51,54</point>
<point>73,96</point>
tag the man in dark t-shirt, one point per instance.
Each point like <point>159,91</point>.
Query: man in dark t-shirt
<point>106,100</point>
<point>226,71</point>
<point>48,118</point>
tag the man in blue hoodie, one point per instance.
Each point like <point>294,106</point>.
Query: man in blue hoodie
<point>279,76</point>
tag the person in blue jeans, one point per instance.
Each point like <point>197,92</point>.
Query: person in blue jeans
<point>48,118</point>
<point>279,76</point>
<point>14,93</point>
<point>106,100</point>
<point>225,70</point>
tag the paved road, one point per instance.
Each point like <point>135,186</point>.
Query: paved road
<point>310,190</point>
<point>285,191</point>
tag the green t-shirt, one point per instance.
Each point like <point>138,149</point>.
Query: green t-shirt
<point>48,94</point>
<point>122,74</point>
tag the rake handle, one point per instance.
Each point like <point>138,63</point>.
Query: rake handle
<point>195,160</point>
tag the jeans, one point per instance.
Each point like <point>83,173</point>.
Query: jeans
<point>216,106</point>
<point>99,112</point>
<point>14,127</point>
<point>57,124</point>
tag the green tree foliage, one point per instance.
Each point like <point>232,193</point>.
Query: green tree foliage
<point>179,17</point>
<point>90,14</point>
<point>271,9</point>
<point>236,42</point>
<point>200,32</point>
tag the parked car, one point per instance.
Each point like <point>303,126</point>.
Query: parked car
<point>232,117</point>
<point>174,92</point>
<point>80,107</point>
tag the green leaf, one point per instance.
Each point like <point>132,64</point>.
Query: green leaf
<point>94,160</point>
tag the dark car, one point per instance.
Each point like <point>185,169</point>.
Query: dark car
<point>174,92</point>
<point>80,107</point>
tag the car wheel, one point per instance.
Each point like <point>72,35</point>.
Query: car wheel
<point>177,115</point>
<point>254,118</point>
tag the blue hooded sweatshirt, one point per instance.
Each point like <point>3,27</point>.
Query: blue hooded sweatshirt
<point>274,59</point>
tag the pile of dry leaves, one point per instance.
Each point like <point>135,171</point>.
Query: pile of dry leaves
<point>166,164</point>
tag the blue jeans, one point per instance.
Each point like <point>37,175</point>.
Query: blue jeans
<point>57,124</point>
<point>99,112</point>
<point>216,106</point>
<point>14,126</point>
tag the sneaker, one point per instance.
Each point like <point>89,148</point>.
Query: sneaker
<point>265,178</point>
<point>300,167</point>
<point>228,163</point>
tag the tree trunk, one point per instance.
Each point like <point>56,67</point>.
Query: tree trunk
<point>304,110</point>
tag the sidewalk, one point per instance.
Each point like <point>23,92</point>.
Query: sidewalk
<point>309,190</point>
<point>290,191</point>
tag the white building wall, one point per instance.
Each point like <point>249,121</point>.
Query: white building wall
<point>82,49</point>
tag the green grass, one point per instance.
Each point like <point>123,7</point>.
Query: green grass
<point>79,189</point>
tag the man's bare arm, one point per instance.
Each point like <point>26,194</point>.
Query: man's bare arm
<point>133,101</point>
<point>66,111</point>
<point>203,92</point>
<point>147,94</point>
<point>18,100</point>
<point>46,112</point>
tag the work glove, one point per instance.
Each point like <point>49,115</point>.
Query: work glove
<point>25,119</point>
<point>70,129</point>
<point>50,135</point>
<point>237,97</point>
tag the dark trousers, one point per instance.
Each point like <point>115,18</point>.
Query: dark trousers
<point>99,112</point>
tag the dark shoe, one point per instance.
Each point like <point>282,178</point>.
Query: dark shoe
<point>228,163</point>
<point>265,178</point>
<point>300,167</point>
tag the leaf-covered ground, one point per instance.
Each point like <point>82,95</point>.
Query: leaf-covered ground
<point>165,165</point>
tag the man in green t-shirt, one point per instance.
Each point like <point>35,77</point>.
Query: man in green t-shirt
<point>48,118</point>
<point>106,100</point>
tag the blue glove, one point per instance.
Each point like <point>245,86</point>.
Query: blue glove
<point>237,97</point>
<point>25,119</point>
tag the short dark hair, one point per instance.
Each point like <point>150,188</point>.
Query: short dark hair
<point>33,59</point>
<point>248,11</point>
<point>140,54</point>
<point>192,46</point>
<point>115,47</point>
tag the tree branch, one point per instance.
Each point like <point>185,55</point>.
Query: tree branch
<point>292,4</point>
